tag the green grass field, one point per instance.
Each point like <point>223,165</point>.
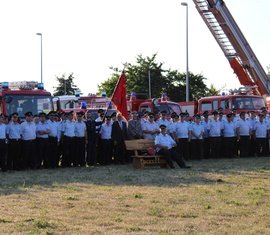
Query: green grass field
<point>229,196</point>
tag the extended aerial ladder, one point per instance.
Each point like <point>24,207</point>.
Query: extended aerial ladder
<point>234,45</point>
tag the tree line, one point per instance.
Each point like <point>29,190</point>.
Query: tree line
<point>168,81</point>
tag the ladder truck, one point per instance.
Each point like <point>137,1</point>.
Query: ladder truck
<point>234,45</point>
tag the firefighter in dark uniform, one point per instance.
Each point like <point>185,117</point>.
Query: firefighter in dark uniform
<point>106,142</point>
<point>28,132</point>
<point>14,156</point>
<point>3,145</point>
<point>43,131</point>
<point>80,138</point>
<point>91,137</point>
<point>68,129</point>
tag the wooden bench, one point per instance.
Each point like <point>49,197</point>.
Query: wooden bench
<point>142,160</point>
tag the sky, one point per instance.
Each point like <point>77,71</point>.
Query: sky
<point>87,37</point>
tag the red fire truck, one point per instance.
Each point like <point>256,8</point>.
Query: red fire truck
<point>240,100</point>
<point>140,103</point>
<point>250,73</point>
<point>24,96</point>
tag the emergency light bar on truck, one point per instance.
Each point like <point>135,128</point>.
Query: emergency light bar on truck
<point>24,96</point>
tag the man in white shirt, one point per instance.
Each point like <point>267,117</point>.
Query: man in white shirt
<point>105,156</point>
<point>260,132</point>
<point>214,129</point>
<point>243,132</point>
<point>28,132</point>
<point>196,132</point>
<point>165,144</point>
<point>150,128</point>
<point>80,134</point>
<point>182,136</point>
<point>3,145</point>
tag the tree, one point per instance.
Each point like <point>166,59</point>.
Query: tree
<point>65,86</point>
<point>213,90</point>
<point>161,81</point>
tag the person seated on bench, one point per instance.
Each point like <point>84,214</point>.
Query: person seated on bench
<point>165,144</point>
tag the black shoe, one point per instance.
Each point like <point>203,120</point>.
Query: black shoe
<point>186,167</point>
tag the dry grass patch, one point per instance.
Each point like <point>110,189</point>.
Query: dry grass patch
<point>214,197</point>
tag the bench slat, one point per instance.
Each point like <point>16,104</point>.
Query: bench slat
<point>140,161</point>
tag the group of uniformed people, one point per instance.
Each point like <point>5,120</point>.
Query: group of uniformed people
<point>216,135</point>
<point>53,140</point>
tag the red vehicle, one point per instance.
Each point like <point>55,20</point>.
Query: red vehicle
<point>22,97</point>
<point>140,103</point>
<point>240,102</point>
<point>241,57</point>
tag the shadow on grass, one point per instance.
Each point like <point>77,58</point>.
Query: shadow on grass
<point>203,172</point>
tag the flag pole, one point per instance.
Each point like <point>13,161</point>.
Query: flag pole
<point>123,71</point>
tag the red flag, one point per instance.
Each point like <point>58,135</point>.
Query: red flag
<point>119,96</point>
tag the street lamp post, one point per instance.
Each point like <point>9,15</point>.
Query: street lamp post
<point>187,70</point>
<point>149,82</point>
<point>65,86</point>
<point>41,66</point>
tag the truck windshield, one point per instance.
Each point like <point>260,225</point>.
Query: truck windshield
<point>25,103</point>
<point>248,103</point>
<point>169,108</point>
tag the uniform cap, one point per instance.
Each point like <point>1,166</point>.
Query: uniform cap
<point>163,112</point>
<point>197,116</point>
<point>100,111</point>
<point>113,115</point>
<point>28,114</point>
<point>42,114</point>
<point>80,113</point>
<point>215,113</point>
<point>229,115</point>
<point>162,126</point>
<point>14,114</point>
<point>205,113</point>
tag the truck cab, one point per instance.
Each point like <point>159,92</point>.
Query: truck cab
<point>22,97</point>
<point>238,102</point>
<point>139,103</point>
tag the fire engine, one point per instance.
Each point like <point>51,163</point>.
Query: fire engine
<point>24,96</point>
<point>241,57</point>
<point>140,103</point>
<point>77,103</point>
<point>66,103</point>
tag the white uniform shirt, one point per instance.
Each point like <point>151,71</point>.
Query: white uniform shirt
<point>205,130</point>
<point>182,129</point>
<point>165,140</point>
<point>14,130</point>
<point>53,126</point>
<point>260,129</point>
<point>3,131</point>
<point>150,126</point>
<point>143,122</point>
<point>80,128</point>
<point>68,128</point>
<point>214,128</point>
<point>42,126</point>
<point>28,130</point>
<point>106,131</point>
<point>244,127</point>
<point>165,122</point>
<point>229,129</point>
<point>197,129</point>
